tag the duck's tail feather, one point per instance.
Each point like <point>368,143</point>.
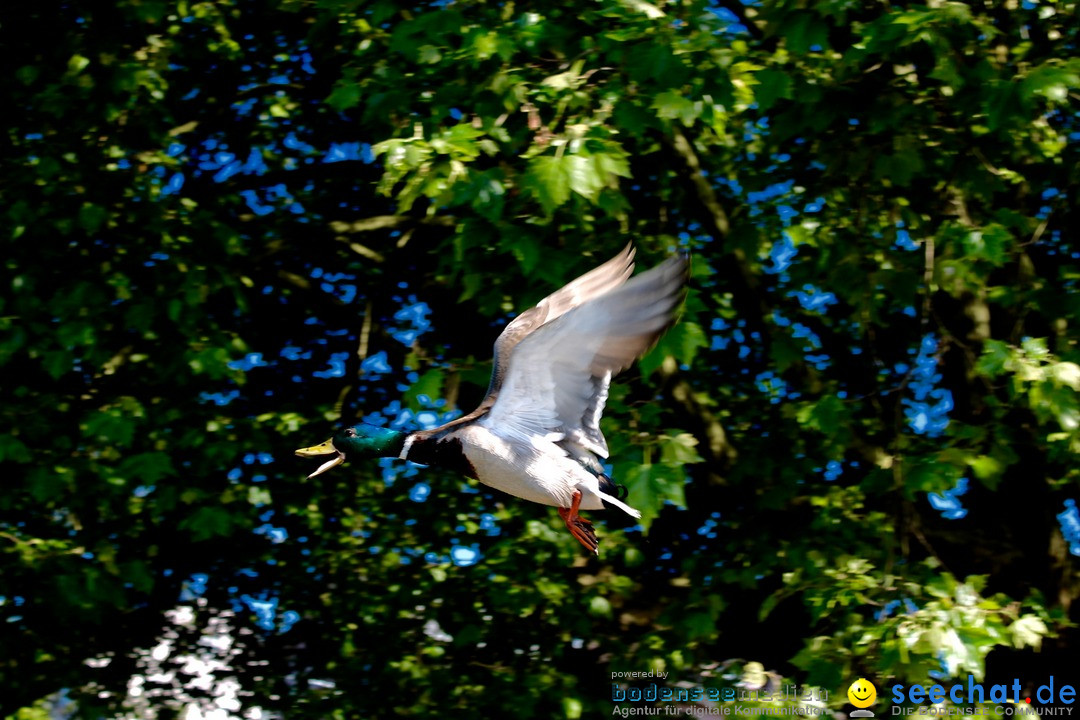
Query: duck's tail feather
<point>609,486</point>
<point>614,494</point>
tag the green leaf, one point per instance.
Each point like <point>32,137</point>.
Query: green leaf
<point>803,31</point>
<point>139,574</point>
<point>772,85</point>
<point>46,484</point>
<point>583,176</point>
<point>528,252</point>
<point>646,8</point>
<point>678,449</point>
<point>609,163</point>
<point>987,469</point>
<point>1052,80</point>
<point>547,180</point>
<point>57,363</point>
<point>485,45</point>
<point>460,142</point>
<point>28,74</point>
<point>92,217</point>
<point>147,468</point>
<point>930,475</point>
<point>259,496</point>
<point>77,63</point>
<point>208,522</point>
<point>11,448</point>
<point>345,95</point>
<point>599,606</point>
<point>682,342</point>
<point>672,105</point>
<point>649,486</point>
<point>826,415</point>
<point>990,244</point>
<point>995,359</point>
<point>1028,631</point>
<point>429,384</point>
<point>1066,373</point>
<point>429,55</point>
<point>560,81</point>
<point>110,427</point>
<point>1035,347</point>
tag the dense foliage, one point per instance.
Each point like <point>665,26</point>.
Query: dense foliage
<point>230,226</point>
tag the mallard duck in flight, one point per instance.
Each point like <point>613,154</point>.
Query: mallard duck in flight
<point>536,435</point>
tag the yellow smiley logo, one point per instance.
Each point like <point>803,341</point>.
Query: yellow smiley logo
<point>862,693</point>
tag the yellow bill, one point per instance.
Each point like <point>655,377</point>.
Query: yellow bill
<point>325,448</point>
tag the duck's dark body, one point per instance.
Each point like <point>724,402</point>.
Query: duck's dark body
<point>442,450</point>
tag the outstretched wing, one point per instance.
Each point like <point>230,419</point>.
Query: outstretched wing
<point>594,283</point>
<point>556,377</point>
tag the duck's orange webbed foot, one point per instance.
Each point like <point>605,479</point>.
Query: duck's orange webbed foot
<point>578,526</point>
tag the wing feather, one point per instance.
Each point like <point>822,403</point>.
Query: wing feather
<point>596,282</point>
<point>556,377</point>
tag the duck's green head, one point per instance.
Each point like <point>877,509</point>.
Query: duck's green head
<point>364,441</point>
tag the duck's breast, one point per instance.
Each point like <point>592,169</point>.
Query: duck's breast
<point>522,469</point>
